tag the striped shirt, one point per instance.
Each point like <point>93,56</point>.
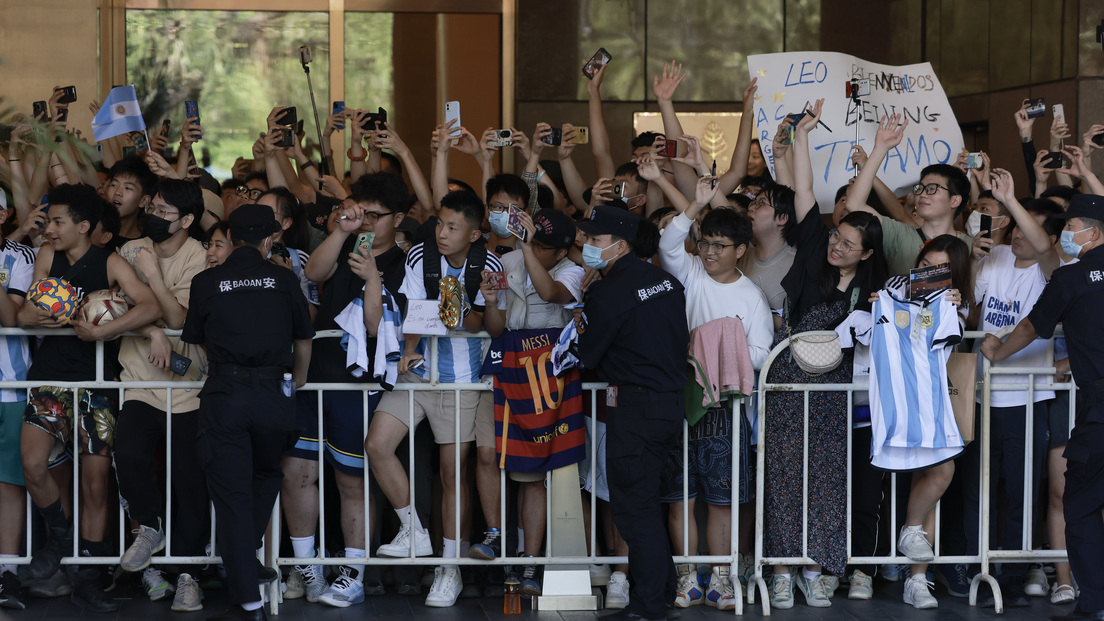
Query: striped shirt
<point>16,274</point>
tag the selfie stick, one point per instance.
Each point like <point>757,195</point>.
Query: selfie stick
<point>855,99</point>
<point>305,58</point>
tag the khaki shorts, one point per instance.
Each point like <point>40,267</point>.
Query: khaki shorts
<point>526,477</point>
<point>439,406</point>
<point>485,421</point>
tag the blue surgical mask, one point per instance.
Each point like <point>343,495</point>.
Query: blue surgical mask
<point>592,256</point>
<point>498,223</point>
<point>1069,246</point>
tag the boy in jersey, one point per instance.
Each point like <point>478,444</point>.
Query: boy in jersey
<point>377,204</point>
<point>543,285</point>
<point>129,188</point>
<point>715,289</point>
<point>454,252</point>
<point>16,268</point>
<point>166,259</point>
<point>48,425</point>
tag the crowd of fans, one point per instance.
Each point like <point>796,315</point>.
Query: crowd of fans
<point>744,244</point>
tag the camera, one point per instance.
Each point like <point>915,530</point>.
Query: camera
<point>1036,108</point>
<point>857,88</point>
<point>501,138</point>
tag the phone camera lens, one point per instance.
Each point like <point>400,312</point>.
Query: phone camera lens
<point>505,133</point>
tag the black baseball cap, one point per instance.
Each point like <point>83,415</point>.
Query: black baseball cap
<point>554,228</point>
<point>252,223</point>
<point>608,220</point>
<point>1084,206</point>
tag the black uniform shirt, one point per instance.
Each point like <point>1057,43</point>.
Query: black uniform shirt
<point>247,311</point>
<point>636,327</point>
<point>1074,296</point>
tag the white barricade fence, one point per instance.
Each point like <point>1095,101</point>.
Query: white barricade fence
<point>272,558</point>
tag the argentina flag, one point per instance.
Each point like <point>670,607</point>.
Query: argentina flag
<point>119,114</point>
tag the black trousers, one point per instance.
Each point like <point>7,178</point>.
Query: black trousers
<point>866,499</point>
<point>1082,502</point>
<point>245,427</point>
<point>640,433</point>
<point>139,437</point>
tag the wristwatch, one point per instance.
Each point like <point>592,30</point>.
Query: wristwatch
<point>354,158</point>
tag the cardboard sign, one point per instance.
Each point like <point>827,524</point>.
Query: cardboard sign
<point>792,81</point>
<point>424,317</point>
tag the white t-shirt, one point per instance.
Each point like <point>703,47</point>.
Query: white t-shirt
<point>1007,294</point>
<point>571,277</point>
<point>459,359</point>
<point>707,299</point>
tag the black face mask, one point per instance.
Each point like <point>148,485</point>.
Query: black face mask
<point>157,229</point>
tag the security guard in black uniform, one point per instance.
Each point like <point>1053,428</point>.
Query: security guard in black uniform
<point>635,337</point>
<point>252,317</point>
<point>1074,297</point>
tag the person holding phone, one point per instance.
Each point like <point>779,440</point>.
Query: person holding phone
<point>166,259</point>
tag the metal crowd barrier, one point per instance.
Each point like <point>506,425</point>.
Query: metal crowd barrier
<point>760,560</point>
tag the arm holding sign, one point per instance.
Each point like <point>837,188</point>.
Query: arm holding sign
<point>890,132</point>
<point>804,199</point>
<point>885,195</point>
<point>783,154</point>
<point>737,168</point>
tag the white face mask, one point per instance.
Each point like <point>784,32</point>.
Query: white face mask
<point>973,223</point>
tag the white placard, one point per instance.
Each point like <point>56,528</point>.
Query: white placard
<point>791,81</point>
<point>424,317</point>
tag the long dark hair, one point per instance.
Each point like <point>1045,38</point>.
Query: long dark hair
<point>297,236</point>
<point>959,253</point>
<point>871,272</point>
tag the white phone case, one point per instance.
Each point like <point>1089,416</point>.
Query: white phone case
<point>452,111</point>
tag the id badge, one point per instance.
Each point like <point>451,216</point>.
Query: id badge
<point>611,396</point>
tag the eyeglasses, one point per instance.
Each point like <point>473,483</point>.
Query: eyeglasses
<point>373,217</point>
<point>717,248</point>
<point>250,193</point>
<point>499,207</point>
<point>845,246</point>
<point>929,189</point>
<point>158,212</point>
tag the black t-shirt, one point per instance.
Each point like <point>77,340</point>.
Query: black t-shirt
<point>327,356</point>
<point>68,358</point>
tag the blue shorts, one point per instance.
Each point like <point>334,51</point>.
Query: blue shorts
<point>342,426</point>
<point>710,468</point>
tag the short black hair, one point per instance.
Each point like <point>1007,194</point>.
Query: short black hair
<point>782,199</point>
<point>1049,209</point>
<point>958,184</point>
<point>645,139</point>
<point>134,166</point>
<point>383,188</point>
<point>255,176</point>
<point>630,169</point>
<point>757,180</point>
<point>658,215</point>
<point>395,163</point>
<point>741,200</point>
<point>989,194</point>
<point>646,243</point>
<point>513,185</point>
<point>727,223</point>
<point>187,198</point>
<point>110,222</point>
<point>545,198</point>
<point>82,201</point>
<point>1062,192</point>
<point>466,204</point>
<point>463,184</point>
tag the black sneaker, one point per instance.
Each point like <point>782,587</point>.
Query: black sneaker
<point>47,560</point>
<point>11,592</point>
<point>491,547</point>
<point>89,595</point>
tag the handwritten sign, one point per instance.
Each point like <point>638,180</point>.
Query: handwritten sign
<point>792,81</point>
<point>423,317</point>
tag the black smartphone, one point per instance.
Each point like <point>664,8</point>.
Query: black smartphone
<point>287,117</point>
<point>40,110</point>
<point>1098,140</point>
<point>986,226</point>
<point>165,127</point>
<point>68,95</point>
<point>596,62</point>
<point>373,118</point>
<point>288,139</point>
<point>1052,159</point>
<point>62,115</point>
<point>191,109</point>
<point>299,127</point>
<point>554,138</point>
<point>179,364</point>
<point>280,250</point>
<point>6,132</point>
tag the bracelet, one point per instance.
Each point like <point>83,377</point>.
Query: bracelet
<point>15,160</point>
<point>353,158</point>
<point>305,165</point>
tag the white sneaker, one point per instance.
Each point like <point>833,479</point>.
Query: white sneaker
<point>782,592</point>
<point>293,586</point>
<point>743,568</point>
<point>313,580</point>
<point>147,542</point>
<point>153,581</point>
<point>831,583</point>
<point>913,543</point>
<point>918,593</point>
<point>862,586</point>
<point>189,597</point>
<point>599,575</point>
<point>1062,594</point>
<point>1035,583</point>
<point>447,585</point>
<point>617,591</point>
<point>345,591</point>
<point>814,590</point>
<point>720,594</point>
<point>400,545</point>
<point>688,592</point>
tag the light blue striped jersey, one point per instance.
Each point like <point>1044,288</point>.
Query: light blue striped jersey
<point>16,273</point>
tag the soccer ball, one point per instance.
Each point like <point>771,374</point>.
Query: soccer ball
<point>100,307</point>
<point>55,296</point>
